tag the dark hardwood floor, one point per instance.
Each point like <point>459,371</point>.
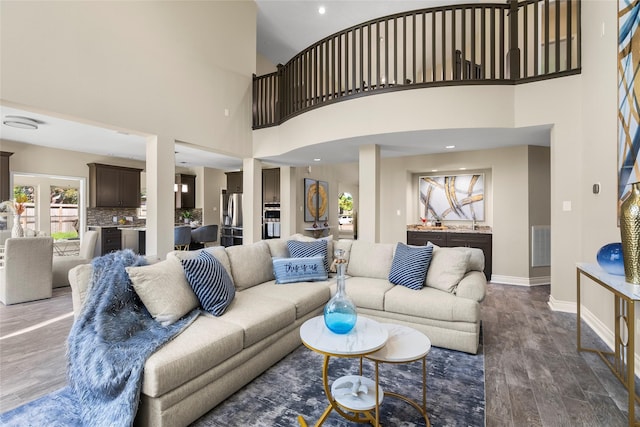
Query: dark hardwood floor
<point>534,375</point>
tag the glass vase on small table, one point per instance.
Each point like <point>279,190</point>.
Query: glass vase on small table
<point>340,313</point>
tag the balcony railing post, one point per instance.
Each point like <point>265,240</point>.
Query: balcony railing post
<point>279,102</point>
<point>514,51</point>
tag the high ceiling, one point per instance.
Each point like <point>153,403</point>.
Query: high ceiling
<point>284,28</point>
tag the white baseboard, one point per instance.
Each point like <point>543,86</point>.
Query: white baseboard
<point>564,306</point>
<point>520,281</point>
<point>605,334</point>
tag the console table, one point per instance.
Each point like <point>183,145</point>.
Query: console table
<point>625,297</point>
<point>451,237</point>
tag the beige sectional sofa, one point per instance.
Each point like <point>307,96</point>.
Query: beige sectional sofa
<point>216,356</point>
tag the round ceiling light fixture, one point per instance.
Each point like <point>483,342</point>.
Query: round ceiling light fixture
<point>20,122</point>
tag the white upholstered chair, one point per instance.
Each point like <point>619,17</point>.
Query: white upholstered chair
<point>27,273</point>
<point>62,264</point>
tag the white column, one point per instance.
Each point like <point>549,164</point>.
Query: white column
<point>369,177</point>
<point>160,197</point>
<point>287,201</point>
<point>251,200</point>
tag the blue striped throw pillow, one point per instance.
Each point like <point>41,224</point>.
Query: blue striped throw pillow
<point>291,270</point>
<point>299,249</point>
<point>210,282</point>
<point>410,265</point>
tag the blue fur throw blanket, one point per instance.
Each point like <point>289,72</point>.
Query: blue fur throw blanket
<point>110,342</point>
<point>107,347</point>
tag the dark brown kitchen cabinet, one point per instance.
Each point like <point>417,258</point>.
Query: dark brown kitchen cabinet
<point>113,186</point>
<point>234,182</point>
<point>109,240</point>
<point>482,241</point>
<point>186,191</point>
<point>271,185</point>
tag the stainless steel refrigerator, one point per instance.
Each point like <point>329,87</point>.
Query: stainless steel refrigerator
<point>234,210</point>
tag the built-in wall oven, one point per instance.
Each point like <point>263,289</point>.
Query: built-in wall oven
<point>271,220</point>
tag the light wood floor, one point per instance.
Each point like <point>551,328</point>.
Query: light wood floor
<point>534,375</point>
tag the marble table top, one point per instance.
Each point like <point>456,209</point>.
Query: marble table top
<point>366,337</point>
<point>405,344</point>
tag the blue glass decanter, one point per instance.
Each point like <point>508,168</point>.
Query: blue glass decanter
<point>340,312</point>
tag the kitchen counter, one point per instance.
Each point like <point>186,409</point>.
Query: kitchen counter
<point>450,229</point>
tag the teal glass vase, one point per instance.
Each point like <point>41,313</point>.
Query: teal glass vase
<point>340,313</point>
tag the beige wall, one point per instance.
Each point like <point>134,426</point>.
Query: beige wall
<point>539,191</point>
<point>162,70</point>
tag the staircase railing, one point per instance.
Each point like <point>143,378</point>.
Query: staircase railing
<point>491,43</point>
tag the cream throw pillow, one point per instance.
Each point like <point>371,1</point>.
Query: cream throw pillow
<point>448,266</point>
<point>164,290</point>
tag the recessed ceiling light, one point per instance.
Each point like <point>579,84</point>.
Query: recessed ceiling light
<point>463,169</point>
<point>316,159</point>
<point>434,170</point>
<point>20,122</point>
<point>321,10</point>
<point>449,147</point>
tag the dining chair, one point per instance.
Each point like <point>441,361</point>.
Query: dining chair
<point>27,271</point>
<point>201,236</point>
<point>182,237</point>
<point>62,264</point>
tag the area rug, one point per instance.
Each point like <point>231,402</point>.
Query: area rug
<point>455,392</point>
<point>292,387</point>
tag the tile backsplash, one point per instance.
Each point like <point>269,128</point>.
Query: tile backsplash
<point>104,216</point>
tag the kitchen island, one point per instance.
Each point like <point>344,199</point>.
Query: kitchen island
<point>451,236</point>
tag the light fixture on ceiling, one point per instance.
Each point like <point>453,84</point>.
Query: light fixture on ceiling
<point>20,122</point>
<point>322,10</point>
<point>449,147</point>
<point>317,159</point>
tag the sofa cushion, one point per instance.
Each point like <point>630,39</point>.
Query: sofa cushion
<point>299,249</point>
<point>259,316</point>
<point>409,266</point>
<point>448,266</point>
<point>210,282</point>
<point>164,290</point>
<point>278,248</point>
<point>205,344</point>
<point>370,259</point>
<point>476,259</point>
<point>306,296</point>
<point>431,303</point>
<point>250,264</point>
<point>291,270</point>
<point>367,292</point>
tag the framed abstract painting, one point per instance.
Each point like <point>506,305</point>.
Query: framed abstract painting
<point>451,197</point>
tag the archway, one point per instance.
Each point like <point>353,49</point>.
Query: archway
<point>345,216</point>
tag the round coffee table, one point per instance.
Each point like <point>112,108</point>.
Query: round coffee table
<point>405,345</point>
<point>351,393</point>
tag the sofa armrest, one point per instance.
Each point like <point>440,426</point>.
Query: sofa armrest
<point>473,286</point>
<point>79,279</point>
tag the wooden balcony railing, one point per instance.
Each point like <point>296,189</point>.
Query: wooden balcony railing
<point>491,43</point>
